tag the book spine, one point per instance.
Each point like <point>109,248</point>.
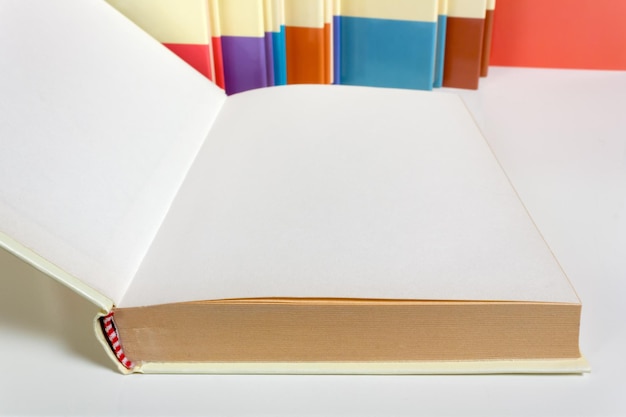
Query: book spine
<point>464,42</point>
<point>112,338</point>
<point>488,32</point>
<point>268,17</point>
<point>388,44</point>
<point>183,27</point>
<point>278,43</point>
<point>442,18</point>
<point>304,33</point>
<point>280,59</point>
<point>328,41</point>
<point>216,43</point>
<point>336,41</point>
<point>198,56</point>
<point>243,45</point>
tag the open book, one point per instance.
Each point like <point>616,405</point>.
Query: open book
<point>313,229</point>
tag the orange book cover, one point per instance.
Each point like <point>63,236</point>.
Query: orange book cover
<point>305,42</point>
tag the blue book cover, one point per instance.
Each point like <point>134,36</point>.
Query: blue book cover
<point>336,42</point>
<point>388,44</point>
<point>442,19</point>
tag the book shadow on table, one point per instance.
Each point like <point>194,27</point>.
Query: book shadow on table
<point>31,302</point>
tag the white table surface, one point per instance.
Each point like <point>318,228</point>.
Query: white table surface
<point>561,138</point>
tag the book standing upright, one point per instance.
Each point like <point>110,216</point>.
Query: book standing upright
<point>465,27</point>
<point>278,42</point>
<point>388,44</point>
<point>216,42</point>
<point>181,25</point>
<point>442,17</point>
<point>305,40</point>
<point>487,35</point>
<point>268,16</point>
<point>243,45</point>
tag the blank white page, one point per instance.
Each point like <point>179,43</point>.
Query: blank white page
<point>99,124</point>
<point>348,192</point>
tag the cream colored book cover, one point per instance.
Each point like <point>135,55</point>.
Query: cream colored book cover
<point>298,229</point>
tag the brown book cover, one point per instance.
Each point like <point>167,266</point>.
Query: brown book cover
<point>487,35</point>
<point>464,43</point>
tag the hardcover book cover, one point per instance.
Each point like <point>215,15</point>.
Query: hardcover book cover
<point>181,25</point>
<point>487,35</point>
<point>442,18</point>
<point>388,44</point>
<point>465,28</point>
<point>305,39</point>
<point>295,229</point>
<point>216,42</point>
<point>243,45</point>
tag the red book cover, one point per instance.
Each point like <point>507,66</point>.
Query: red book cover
<point>586,34</point>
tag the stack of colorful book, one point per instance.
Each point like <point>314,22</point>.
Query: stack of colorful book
<point>247,44</point>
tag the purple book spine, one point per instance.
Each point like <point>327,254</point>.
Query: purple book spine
<point>245,65</point>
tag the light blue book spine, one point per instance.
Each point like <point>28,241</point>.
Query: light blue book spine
<point>336,49</point>
<point>441,47</point>
<point>280,58</point>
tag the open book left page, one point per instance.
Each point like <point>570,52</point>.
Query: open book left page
<point>99,145</point>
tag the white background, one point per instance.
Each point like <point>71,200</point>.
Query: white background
<point>561,138</point>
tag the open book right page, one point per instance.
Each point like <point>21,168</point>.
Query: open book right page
<point>347,192</point>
